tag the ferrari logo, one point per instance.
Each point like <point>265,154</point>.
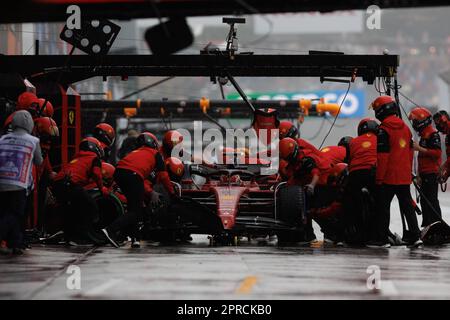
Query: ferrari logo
<point>366,144</point>
<point>178,171</point>
<point>402,143</point>
<point>71,117</point>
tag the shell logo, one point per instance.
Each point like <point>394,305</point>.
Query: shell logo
<point>402,143</point>
<point>325,149</point>
<point>366,144</point>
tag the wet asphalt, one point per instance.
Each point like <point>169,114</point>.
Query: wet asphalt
<point>251,270</point>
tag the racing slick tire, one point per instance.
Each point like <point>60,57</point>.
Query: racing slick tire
<point>291,210</point>
<point>109,208</point>
<point>436,234</point>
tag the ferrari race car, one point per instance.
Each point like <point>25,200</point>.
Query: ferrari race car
<point>230,202</point>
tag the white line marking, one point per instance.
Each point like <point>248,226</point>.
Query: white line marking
<point>388,288</point>
<point>103,287</point>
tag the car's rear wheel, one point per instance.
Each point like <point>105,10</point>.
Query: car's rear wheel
<point>291,210</point>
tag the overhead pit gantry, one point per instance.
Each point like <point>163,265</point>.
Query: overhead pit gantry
<point>53,75</point>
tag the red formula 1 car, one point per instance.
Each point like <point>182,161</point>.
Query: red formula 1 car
<point>230,202</point>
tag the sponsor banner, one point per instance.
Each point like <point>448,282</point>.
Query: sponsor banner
<point>353,106</point>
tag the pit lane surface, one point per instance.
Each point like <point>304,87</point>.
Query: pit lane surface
<point>250,271</point>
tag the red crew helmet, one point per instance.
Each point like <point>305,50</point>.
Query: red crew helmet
<point>46,130</point>
<point>384,106</point>
<point>93,145</point>
<point>105,134</point>
<point>441,120</point>
<point>175,168</point>
<point>45,126</point>
<point>26,100</point>
<point>420,118</point>
<point>288,130</point>
<point>288,149</point>
<point>345,141</point>
<point>108,173</point>
<point>171,139</point>
<point>147,139</point>
<point>46,108</point>
<point>367,125</point>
